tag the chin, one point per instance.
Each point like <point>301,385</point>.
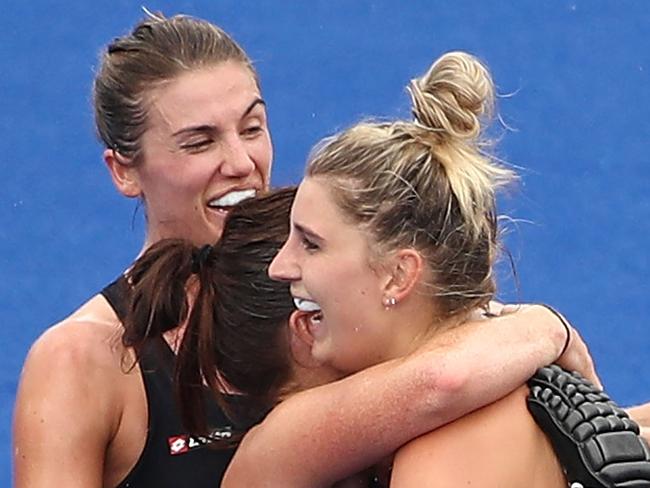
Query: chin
<point>211,238</point>
<point>214,230</point>
<point>208,233</point>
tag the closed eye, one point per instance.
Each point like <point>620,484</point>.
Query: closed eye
<point>252,131</point>
<point>196,146</point>
<point>309,245</point>
<point>310,241</point>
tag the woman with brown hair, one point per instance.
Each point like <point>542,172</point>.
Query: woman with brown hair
<point>179,110</point>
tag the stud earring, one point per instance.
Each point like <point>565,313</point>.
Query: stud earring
<point>389,302</point>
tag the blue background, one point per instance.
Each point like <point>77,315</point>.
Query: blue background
<point>577,79</point>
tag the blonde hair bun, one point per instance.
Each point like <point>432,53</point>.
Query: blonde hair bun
<point>453,96</point>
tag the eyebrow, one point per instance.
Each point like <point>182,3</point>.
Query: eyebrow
<point>305,231</point>
<point>208,127</point>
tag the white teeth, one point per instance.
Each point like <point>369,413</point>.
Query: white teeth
<point>232,198</point>
<point>306,305</point>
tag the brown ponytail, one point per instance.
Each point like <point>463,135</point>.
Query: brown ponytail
<point>238,323</point>
<point>236,333</point>
<point>158,282</point>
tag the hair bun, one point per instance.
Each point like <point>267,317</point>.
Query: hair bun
<point>452,97</point>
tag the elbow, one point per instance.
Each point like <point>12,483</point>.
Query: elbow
<point>452,381</point>
<point>445,382</point>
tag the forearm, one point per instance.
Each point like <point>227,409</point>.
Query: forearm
<point>483,361</point>
<point>343,427</point>
<point>325,434</point>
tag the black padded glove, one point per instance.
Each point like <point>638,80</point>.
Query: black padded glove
<point>595,440</point>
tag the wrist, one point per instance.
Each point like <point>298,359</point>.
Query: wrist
<point>566,329</point>
<point>546,331</point>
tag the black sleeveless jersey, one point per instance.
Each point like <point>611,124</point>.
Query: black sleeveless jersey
<point>171,458</point>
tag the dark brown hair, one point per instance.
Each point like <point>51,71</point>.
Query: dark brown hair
<point>236,325</point>
<point>157,50</point>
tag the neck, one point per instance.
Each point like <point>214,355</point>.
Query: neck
<point>418,321</point>
<point>149,241</point>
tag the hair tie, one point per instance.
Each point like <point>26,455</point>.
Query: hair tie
<point>566,325</point>
<point>200,257</point>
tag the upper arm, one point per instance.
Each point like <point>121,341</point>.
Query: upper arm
<point>65,410</point>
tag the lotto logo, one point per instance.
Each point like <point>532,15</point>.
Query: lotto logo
<point>178,445</point>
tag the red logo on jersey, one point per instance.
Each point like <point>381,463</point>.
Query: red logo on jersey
<point>178,444</point>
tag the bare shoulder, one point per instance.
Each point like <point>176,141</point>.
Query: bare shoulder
<point>70,400</point>
<point>496,446</point>
<point>480,432</point>
<point>68,362</point>
<point>91,336</point>
<point>259,463</point>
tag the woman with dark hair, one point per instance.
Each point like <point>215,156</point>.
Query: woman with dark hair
<point>180,112</point>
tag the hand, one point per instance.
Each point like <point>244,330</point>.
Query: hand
<point>575,356</point>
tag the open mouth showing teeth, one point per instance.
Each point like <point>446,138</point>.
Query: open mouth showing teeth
<point>306,305</point>
<point>232,198</point>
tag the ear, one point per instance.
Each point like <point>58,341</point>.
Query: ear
<point>124,174</point>
<point>301,340</point>
<point>404,270</point>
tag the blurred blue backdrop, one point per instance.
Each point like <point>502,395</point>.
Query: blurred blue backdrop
<point>577,79</point>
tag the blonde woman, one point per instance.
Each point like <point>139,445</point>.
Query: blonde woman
<point>393,241</point>
<point>389,260</point>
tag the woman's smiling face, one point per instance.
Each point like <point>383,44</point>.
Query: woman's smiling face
<point>206,147</point>
<point>327,259</point>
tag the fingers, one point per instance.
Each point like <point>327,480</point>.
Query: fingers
<point>577,358</point>
<point>498,308</point>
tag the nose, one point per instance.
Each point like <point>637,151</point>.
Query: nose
<point>284,266</point>
<point>237,161</point>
